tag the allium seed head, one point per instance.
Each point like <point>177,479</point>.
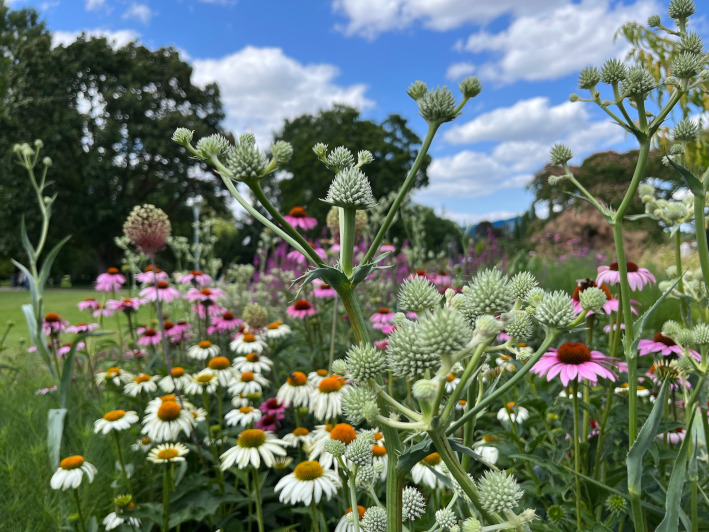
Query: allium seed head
<point>255,316</point>
<point>148,228</point>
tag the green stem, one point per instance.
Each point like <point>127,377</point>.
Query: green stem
<point>684,305</point>
<point>120,458</point>
<point>702,248</point>
<point>353,497</point>
<point>259,508</point>
<point>347,237</point>
<point>333,332</point>
<point>403,191</point>
<point>602,431</point>
<point>166,498</point>
<point>577,451</point>
<point>314,516</point>
<point>467,374</point>
<point>78,509</point>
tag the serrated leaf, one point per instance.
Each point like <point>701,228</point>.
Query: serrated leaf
<point>330,275</point>
<point>694,184</point>
<point>414,454</point>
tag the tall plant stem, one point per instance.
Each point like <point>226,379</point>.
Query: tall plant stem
<point>347,239</point>
<point>166,485</point>
<point>333,331</point>
<point>78,509</point>
<point>353,498</point>
<point>577,451</point>
<point>257,495</point>
<point>684,305</point>
<point>120,458</point>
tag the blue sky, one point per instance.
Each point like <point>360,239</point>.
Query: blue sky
<point>276,59</point>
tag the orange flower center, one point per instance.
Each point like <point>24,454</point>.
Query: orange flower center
<point>206,378</point>
<point>219,363</point>
<point>379,450</point>
<point>251,438</point>
<point>300,431</point>
<point>344,433</point>
<point>632,267</point>
<point>150,332</point>
<point>228,316</point>
<point>177,371</point>
<point>113,271</point>
<point>163,284</point>
<point>302,304</point>
<point>168,454</point>
<point>206,292</point>
<point>205,344</point>
<point>510,406</point>
<point>52,317</point>
<point>462,402</point>
<point>143,377</point>
<point>298,212</point>
<point>253,357</point>
<point>196,273</point>
<point>383,310</point>
<point>574,353</point>
<point>297,378</point>
<point>168,325</point>
<point>433,459</point>
<point>113,372</point>
<point>450,377</point>
<point>72,462</point>
<point>322,372</point>
<point>246,409</point>
<point>378,436</point>
<point>661,338</point>
<point>168,397</point>
<point>247,376</point>
<point>360,510</point>
<point>114,415</point>
<point>274,325</point>
<point>490,439</point>
<point>309,470</point>
<point>248,337</point>
<point>169,411</point>
<point>331,384</point>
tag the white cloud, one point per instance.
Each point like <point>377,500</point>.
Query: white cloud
<point>369,18</point>
<point>117,38</point>
<point>459,70</point>
<point>474,218</point>
<point>532,119</point>
<point>553,43</point>
<point>94,5</point>
<point>260,87</point>
<point>139,12</point>
<point>219,2</point>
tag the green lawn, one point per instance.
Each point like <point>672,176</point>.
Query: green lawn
<point>63,301</point>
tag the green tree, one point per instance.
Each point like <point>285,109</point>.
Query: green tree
<point>391,142</point>
<point>106,116</point>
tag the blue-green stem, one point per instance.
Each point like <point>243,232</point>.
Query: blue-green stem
<point>472,366</point>
<point>257,494</point>
<point>347,237</point>
<point>577,451</point>
<point>353,497</point>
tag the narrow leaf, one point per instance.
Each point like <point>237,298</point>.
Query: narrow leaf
<point>29,249</point>
<point>694,184</point>
<point>639,324</point>
<point>38,339</point>
<point>55,428</point>
<point>49,260</point>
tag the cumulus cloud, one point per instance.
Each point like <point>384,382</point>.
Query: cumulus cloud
<point>369,18</point>
<point>94,5</point>
<point>118,38</point>
<point>459,70</point>
<point>474,218</point>
<point>557,42</point>
<point>139,12</point>
<point>260,87</point>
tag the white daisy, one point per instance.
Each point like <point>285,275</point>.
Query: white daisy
<point>198,414</point>
<point>569,394</point>
<point>308,483</point>
<point>141,383</point>
<point>178,378</point>
<point>277,329</point>
<point>252,446</point>
<point>223,370</point>
<point>124,503</point>
<point>114,375</point>
<point>204,381</point>
<point>624,388</point>
<point>245,415</point>
<point>314,377</point>
<point>248,383</point>
<point>422,473</point>
<point>115,420</point>
<point>143,444</point>
<point>70,472</point>
<point>253,362</point>
<point>296,390</point>
<point>451,383</point>
<point>168,452</point>
<point>512,412</point>
<point>154,404</point>
<point>300,435</point>
<point>247,343</point>
<point>346,523</point>
<point>487,452</point>
<point>203,350</point>
<point>166,423</point>
<point>460,405</point>
<point>325,400</point>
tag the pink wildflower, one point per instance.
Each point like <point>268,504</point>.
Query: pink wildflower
<point>88,304</point>
<point>163,290</point>
<point>663,345</point>
<point>110,281</point>
<point>297,217</point>
<point>196,277</point>
<point>301,309</point>
<point>637,277</point>
<point>574,360</point>
<point>149,337</point>
<point>382,317</point>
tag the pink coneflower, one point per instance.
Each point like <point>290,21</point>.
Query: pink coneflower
<point>82,328</point>
<point>135,353</point>
<point>268,422</point>
<point>663,345</point>
<point>54,324</point>
<point>674,436</point>
<point>390,248</point>
<point>297,217</point>
<point>162,290</point>
<point>149,337</point>
<point>574,360</point>
<point>297,257</point>
<point>196,277</point>
<point>205,296</point>
<point>301,309</point>
<point>65,348</point>
<point>224,323</point>
<point>442,277</point>
<point>382,317</point>
<point>102,310</point>
<point>179,332</point>
<point>127,304</point>
<point>324,290</point>
<point>149,277</point>
<point>274,407</point>
<point>667,369</point>
<point>88,304</point>
<point>214,310</point>
<point>637,277</point>
<point>110,281</point>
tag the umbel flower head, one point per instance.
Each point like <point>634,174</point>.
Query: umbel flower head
<point>498,491</point>
<point>351,190</point>
<point>147,228</point>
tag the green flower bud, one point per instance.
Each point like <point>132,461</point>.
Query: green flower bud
<point>535,296</point>
<point>247,138</point>
<point>366,476</point>
<point>681,9</point>
<point>339,159</point>
<point>182,136</point>
<point>350,189</point>
<point>560,154</point>
<point>616,504</point>
<point>446,519</point>
<point>573,97</point>
<point>374,519</point>
<point>670,328</point>
<point>555,310</point>
<point>425,389</point>
<point>413,504</point>
<point>437,106</point>
<point>417,90</point>
<point>364,157</point>
<point>676,149</point>
<point>281,151</point>
<point>701,334</point>
<point>320,150</point>
<point>646,189</point>
<point>339,367</point>
<point>685,66</point>
<point>521,328</point>
<point>498,491</point>
<point>686,130</point>
<point>589,77</point>
<point>406,354</point>
<point>335,447</point>
<point>47,161</point>
<point>555,513</point>
<point>358,404</point>
<point>638,83</point>
<point>38,144</point>
<point>691,43</point>
<point>213,145</point>
<point>246,161</point>
<point>470,87</point>
<point>471,524</point>
<point>487,326</point>
<point>613,71</point>
<point>684,337</point>
<point>418,294</point>
<point>488,293</point>
<point>553,180</point>
<point>365,362</point>
<point>675,211</point>
<point>592,299</point>
<point>685,365</point>
<point>521,284</point>
<point>359,452</point>
<point>654,21</point>
<point>443,331</point>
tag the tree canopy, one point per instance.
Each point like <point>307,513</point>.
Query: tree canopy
<point>106,116</point>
